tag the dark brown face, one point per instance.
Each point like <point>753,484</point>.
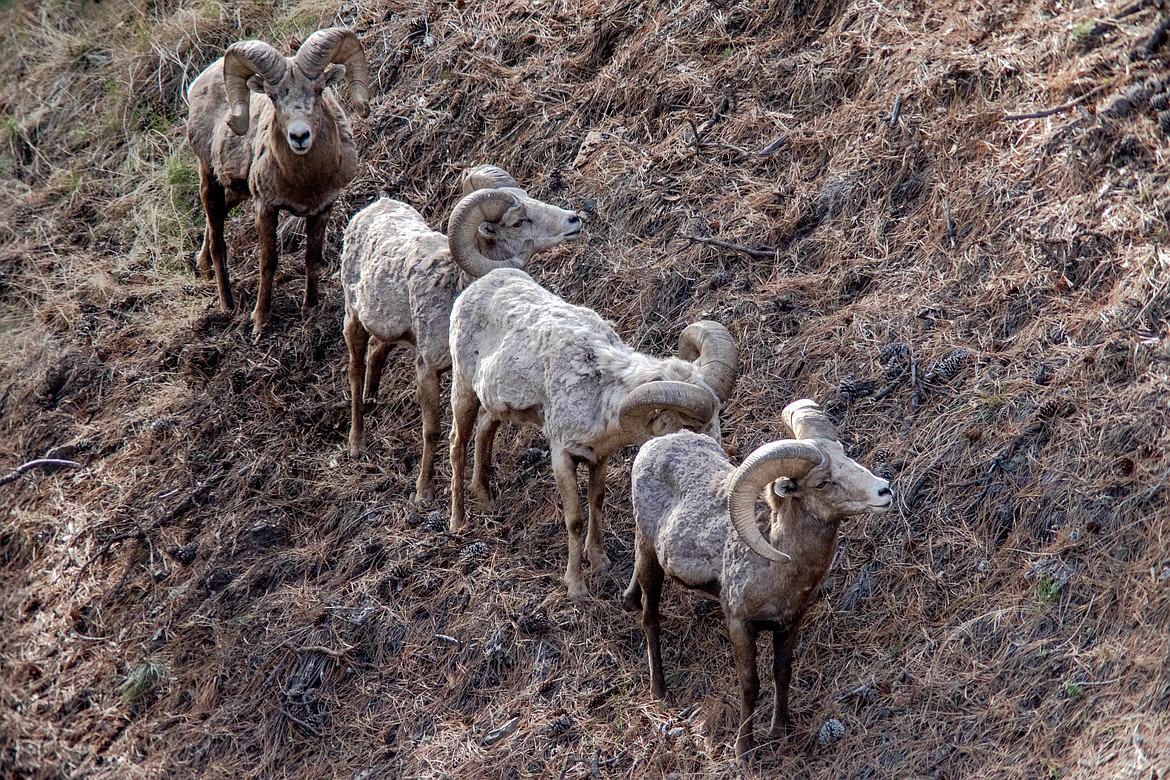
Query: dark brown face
<point>296,101</point>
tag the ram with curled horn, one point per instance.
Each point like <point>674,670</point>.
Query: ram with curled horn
<point>269,127</point>
<point>696,521</point>
<point>521,354</point>
<point>401,278</point>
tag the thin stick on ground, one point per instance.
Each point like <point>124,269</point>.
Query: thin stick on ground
<point>40,463</point>
<point>1055,109</point>
<point>762,251</point>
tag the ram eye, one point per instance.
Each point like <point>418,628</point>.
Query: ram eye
<point>824,483</point>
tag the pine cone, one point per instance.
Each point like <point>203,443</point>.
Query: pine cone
<point>534,623</point>
<point>948,367</point>
<point>832,731</point>
<point>560,725</point>
<point>896,358</point>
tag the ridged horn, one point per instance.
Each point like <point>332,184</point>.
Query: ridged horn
<point>807,420</point>
<point>463,226</point>
<point>766,464</point>
<point>241,61</point>
<point>486,177</point>
<point>340,45</point>
<point>645,400</point>
<point>709,345</point>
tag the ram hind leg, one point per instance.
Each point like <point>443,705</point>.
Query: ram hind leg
<point>464,408</point>
<point>357,338</point>
<point>650,577</point>
<point>314,246</point>
<point>594,545</point>
<point>203,264</point>
<point>565,471</point>
<point>428,403</point>
<point>212,256</point>
<point>266,221</point>
<point>485,436</point>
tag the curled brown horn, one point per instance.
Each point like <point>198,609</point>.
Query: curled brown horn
<point>241,61</point>
<point>463,226</point>
<point>486,177</point>
<point>766,464</point>
<point>709,345</point>
<point>340,45</point>
<point>807,420</point>
<point>646,400</point>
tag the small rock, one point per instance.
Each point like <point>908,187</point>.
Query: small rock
<point>163,424</point>
<point>498,733</point>
<point>832,731</point>
<point>267,534</point>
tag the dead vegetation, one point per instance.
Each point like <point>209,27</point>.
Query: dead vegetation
<point>978,298</point>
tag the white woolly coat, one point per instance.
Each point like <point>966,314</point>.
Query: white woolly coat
<point>400,278</point>
<point>679,486</point>
<point>532,358</point>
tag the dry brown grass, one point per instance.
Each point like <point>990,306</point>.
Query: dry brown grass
<point>980,302</point>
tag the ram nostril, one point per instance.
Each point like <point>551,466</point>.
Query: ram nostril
<point>574,220</point>
<point>886,493</point>
<point>300,139</point>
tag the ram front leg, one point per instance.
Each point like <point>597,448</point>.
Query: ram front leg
<point>743,649</point>
<point>485,436</point>
<point>565,470</point>
<point>782,645</point>
<point>266,218</point>
<point>374,365</point>
<point>594,546</point>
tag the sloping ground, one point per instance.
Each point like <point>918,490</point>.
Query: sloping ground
<point>979,297</point>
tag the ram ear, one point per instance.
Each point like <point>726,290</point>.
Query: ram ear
<point>256,83</point>
<point>784,488</point>
<point>333,75</point>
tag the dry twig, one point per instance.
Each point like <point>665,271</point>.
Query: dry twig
<point>40,463</point>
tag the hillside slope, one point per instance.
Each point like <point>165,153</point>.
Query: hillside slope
<point>945,222</point>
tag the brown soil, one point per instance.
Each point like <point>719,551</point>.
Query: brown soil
<point>945,222</point>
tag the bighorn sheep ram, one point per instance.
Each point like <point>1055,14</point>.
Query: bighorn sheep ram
<point>401,279</point>
<point>527,356</point>
<point>289,146</point>
<point>696,521</point>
